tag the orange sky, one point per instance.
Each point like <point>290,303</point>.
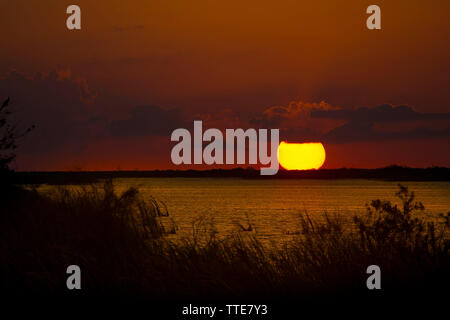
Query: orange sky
<point>225,62</point>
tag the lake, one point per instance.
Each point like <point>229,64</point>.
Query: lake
<point>272,206</point>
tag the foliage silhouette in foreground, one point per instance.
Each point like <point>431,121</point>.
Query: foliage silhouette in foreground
<point>9,135</point>
<point>121,243</point>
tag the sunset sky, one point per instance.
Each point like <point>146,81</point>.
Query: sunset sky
<point>108,96</point>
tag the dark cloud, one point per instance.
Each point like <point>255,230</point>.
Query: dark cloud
<point>361,124</point>
<point>297,112</point>
<point>383,113</point>
<point>58,104</point>
<point>354,131</point>
<point>70,119</point>
<point>148,121</point>
<point>303,121</point>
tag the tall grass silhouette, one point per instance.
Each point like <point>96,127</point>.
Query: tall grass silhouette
<point>120,242</point>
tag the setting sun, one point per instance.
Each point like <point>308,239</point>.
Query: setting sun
<point>301,156</point>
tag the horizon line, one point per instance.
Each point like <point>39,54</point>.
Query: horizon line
<point>226,169</point>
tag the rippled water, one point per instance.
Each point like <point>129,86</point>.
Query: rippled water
<point>272,206</point>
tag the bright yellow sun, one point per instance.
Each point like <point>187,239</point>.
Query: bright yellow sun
<point>301,156</point>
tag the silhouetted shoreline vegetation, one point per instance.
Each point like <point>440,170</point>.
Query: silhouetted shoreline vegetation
<point>120,243</point>
<point>391,173</point>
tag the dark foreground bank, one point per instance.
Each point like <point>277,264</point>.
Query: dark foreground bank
<point>119,242</point>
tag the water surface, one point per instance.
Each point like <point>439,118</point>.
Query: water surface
<point>272,206</point>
